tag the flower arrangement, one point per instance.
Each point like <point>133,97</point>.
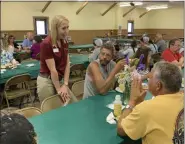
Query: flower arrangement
<point>125,79</point>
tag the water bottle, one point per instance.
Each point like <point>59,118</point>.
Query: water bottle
<point>117,106</point>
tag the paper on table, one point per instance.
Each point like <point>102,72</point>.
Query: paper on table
<point>111,106</point>
<point>2,71</point>
<point>111,119</point>
<point>30,65</point>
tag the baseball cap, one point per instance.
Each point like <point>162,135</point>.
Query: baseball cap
<point>98,42</point>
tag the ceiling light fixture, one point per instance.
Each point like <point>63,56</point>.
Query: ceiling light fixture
<point>127,4</point>
<point>156,7</point>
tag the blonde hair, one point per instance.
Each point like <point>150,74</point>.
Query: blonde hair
<point>55,23</point>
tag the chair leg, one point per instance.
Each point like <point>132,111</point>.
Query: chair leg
<point>7,102</point>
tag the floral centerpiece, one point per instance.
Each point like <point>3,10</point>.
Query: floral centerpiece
<point>125,79</point>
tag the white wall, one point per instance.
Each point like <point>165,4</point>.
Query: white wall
<point>172,18</point>
<point>19,16</point>
<point>134,15</point>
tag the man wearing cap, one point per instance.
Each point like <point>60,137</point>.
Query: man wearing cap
<point>98,43</point>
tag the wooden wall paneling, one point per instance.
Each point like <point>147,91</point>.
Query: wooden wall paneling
<point>86,36</point>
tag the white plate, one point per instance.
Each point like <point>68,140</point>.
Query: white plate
<point>119,90</point>
<point>182,85</point>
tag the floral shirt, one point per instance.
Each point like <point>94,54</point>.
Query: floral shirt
<point>6,57</point>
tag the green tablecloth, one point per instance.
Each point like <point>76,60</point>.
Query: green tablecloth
<point>78,123</point>
<point>85,46</point>
<point>79,59</point>
<point>18,41</point>
<point>21,69</point>
<point>34,71</point>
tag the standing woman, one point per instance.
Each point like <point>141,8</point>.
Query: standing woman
<point>54,62</point>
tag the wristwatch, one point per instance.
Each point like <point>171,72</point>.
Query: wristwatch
<point>129,107</point>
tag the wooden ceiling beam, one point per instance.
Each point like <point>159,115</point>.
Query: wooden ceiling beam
<point>143,14</point>
<point>129,11</point>
<point>113,5</point>
<point>82,7</point>
<point>45,7</point>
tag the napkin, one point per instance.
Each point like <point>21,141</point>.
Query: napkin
<point>30,65</point>
<point>111,118</point>
<point>2,71</point>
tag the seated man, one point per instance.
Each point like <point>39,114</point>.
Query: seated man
<point>27,43</point>
<point>156,120</point>
<point>16,129</point>
<point>172,54</point>
<point>101,72</point>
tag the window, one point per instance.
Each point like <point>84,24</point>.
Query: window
<point>130,27</point>
<point>41,25</point>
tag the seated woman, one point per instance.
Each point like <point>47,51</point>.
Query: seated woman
<point>146,42</point>
<point>97,45</point>
<point>12,45</point>
<point>7,58</point>
<point>35,49</point>
<point>130,52</point>
<point>145,61</point>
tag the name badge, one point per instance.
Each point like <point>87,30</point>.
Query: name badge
<point>55,50</point>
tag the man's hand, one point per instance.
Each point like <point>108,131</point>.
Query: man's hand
<point>63,91</point>
<point>120,65</point>
<point>137,93</point>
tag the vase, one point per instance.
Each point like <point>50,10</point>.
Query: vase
<point>126,94</point>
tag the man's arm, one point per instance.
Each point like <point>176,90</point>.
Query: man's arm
<point>103,86</point>
<point>54,74</point>
<point>67,71</point>
<point>124,114</point>
<point>180,63</point>
<point>132,119</point>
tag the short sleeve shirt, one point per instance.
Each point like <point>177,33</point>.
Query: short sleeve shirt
<point>27,43</point>
<point>60,55</point>
<point>154,120</point>
<point>169,56</point>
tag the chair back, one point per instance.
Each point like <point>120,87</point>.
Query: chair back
<point>51,102</point>
<point>78,68</point>
<point>29,112</point>
<point>78,88</point>
<point>38,56</point>
<point>18,79</point>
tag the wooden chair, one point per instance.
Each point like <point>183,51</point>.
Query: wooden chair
<point>29,112</point>
<point>12,91</point>
<point>51,102</point>
<point>78,89</point>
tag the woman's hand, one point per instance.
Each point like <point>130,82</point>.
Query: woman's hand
<point>63,91</point>
<point>14,62</point>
